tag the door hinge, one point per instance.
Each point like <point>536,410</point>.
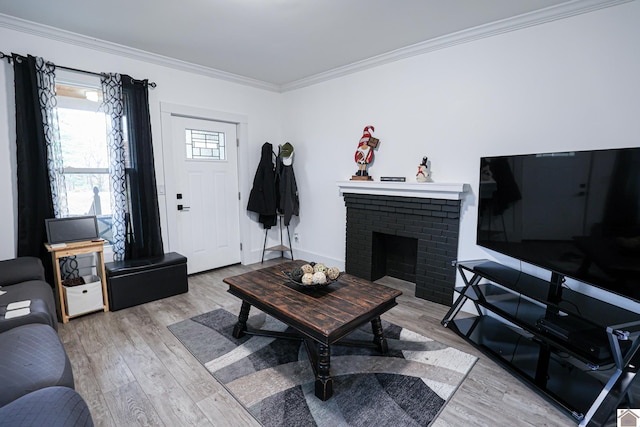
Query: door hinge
<point>239,198</point>
<point>237,142</point>
<point>240,245</point>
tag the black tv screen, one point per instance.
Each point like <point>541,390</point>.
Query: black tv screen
<point>71,229</point>
<point>574,213</point>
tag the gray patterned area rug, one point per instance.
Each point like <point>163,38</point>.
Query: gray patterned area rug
<point>274,381</point>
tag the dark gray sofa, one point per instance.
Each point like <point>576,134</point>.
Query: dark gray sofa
<point>37,379</point>
<point>32,357</point>
<point>23,279</point>
<point>51,407</point>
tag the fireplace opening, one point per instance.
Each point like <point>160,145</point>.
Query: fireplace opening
<point>393,256</point>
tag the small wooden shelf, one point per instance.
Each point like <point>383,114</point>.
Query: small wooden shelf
<point>72,249</point>
<point>282,248</point>
<point>279,248</point>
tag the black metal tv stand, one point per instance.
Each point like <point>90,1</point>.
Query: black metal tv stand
<point>579,352</point>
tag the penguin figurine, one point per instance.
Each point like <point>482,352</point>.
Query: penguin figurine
<point>424,174</point>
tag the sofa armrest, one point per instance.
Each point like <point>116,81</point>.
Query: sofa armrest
<point>20,269</point>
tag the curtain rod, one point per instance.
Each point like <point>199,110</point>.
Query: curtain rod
<point>76,70</point>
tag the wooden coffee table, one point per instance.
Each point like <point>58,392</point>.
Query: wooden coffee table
<point>321,317</point>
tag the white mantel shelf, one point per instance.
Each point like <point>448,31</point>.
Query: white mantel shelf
<point>426,190</point>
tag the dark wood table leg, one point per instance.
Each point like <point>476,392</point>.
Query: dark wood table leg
<point>241,326</point>
<point>378,338</point>
<point>324,382</point>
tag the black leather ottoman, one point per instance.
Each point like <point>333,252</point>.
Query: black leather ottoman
<point>139,281</point>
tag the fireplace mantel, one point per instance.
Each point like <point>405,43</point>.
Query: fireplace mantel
<point>427,190</point>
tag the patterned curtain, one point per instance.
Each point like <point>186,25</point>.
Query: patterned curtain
<point>113,106</point>
<point>46,78</point>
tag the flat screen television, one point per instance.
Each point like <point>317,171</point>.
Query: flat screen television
<point>71,229</point>
<point>574,213</point>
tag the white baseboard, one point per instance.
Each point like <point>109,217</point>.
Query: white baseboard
<point>255,256</point>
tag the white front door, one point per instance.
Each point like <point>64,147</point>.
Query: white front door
<point>206,199</point>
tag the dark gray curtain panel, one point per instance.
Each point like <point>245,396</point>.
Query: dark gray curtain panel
<point>34,187</point>
<point>146,237</point>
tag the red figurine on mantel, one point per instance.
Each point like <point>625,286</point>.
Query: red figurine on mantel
<point>364,154</point>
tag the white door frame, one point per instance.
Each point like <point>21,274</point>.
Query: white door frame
<point>167,110</point>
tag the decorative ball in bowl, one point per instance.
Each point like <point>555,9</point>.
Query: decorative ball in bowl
<point>313,275</point>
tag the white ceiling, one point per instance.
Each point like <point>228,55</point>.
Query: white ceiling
<point>281,42</point>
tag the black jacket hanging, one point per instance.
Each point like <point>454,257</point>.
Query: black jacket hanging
<point>262,198</point>
<point>288,202</point>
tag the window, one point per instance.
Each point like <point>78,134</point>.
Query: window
<point>84,151</point>
<point>204,144</point>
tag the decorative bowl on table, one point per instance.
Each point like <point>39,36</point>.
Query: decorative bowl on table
<point>312,275</point>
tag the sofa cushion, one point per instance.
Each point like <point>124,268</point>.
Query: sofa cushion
<point>21,269</point>
<point>38,313</point>
<point>32,290</point>
<point>32,357</point>
<point>51,406</point>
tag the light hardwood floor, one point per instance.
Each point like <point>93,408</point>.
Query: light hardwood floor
<point>132,371</point>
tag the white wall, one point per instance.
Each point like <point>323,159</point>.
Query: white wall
<point>261,107</point>
<point>568,84</point>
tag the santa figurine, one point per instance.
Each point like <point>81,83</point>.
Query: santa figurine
<point>364,153</point>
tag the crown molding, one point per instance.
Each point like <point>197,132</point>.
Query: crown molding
<point>549,14</point>
<point>64,36</point>
<point>542,16</point>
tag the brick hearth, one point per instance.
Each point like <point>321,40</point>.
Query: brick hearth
<point>434,223</point>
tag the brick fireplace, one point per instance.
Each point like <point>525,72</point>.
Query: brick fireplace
<point>404,230</point>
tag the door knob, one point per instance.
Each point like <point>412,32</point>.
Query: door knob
<point>183,208</point>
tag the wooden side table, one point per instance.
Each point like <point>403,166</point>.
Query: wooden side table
<point>71,249</point>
